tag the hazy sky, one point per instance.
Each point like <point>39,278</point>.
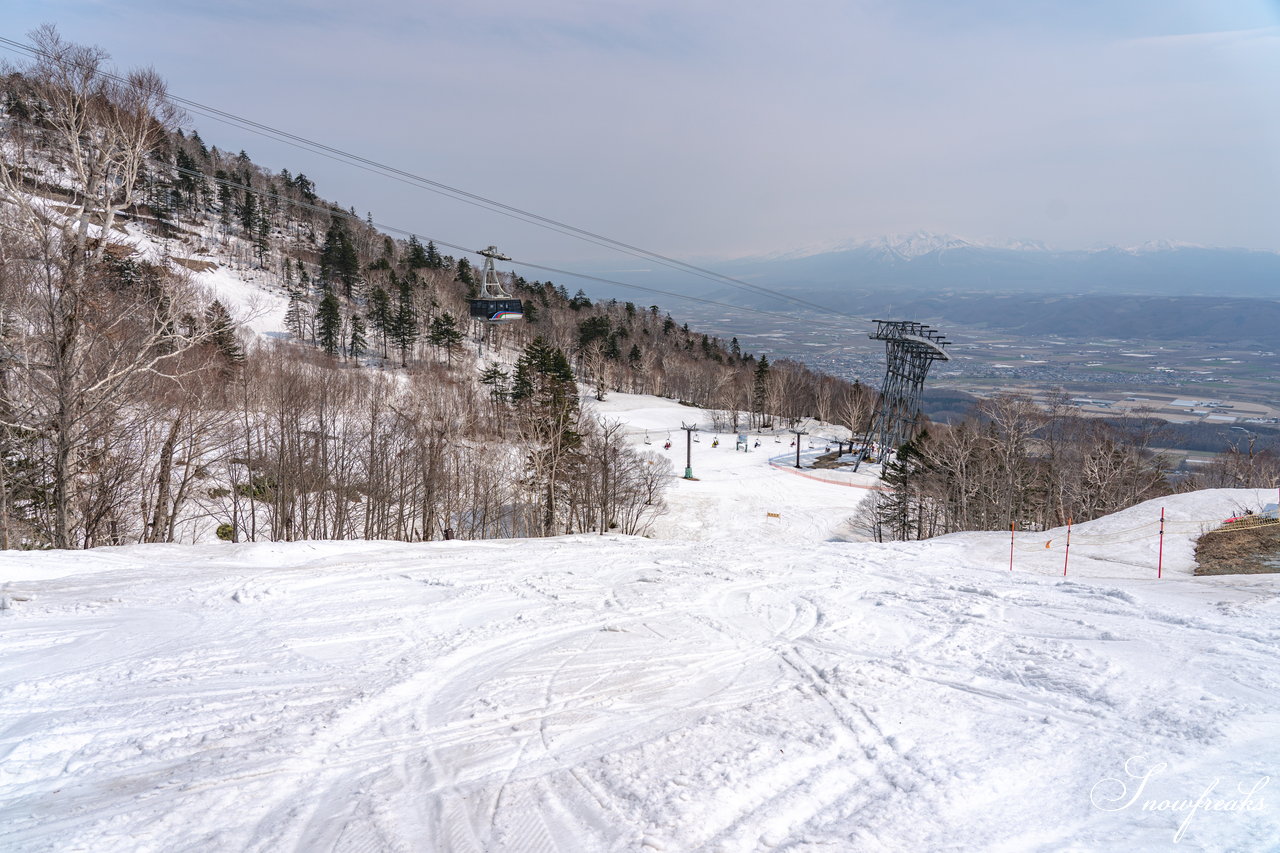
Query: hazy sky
<point>719,129</point>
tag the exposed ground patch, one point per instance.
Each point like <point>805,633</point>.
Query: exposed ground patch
<point>1241,548</point>
<point>195,265</point>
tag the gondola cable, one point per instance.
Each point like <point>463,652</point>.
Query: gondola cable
<point>345,215</point>
<point>474,199</point>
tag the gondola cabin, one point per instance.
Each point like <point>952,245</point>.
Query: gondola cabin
<point>497,310</point>
<point>494,304</point>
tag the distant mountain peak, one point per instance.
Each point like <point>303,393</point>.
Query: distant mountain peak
<point>908,246</point>
<point>1151,246</point>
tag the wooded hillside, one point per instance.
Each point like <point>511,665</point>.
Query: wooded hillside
<point>133,408</point>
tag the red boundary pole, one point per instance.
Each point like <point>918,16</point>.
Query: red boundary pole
<point>1160,556</point>
<point>1066,552</point>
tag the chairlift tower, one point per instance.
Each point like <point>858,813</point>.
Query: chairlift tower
<point>910,350</point>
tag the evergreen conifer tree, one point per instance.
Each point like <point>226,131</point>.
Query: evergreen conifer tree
<point>204,149</point>
<point>248,214</point>
<point>903,513</point>
<point>444,333</point>
<point>329,319</point>
<point>226,198</point>
<point>339,263</point>
<point>495,378</point>
<point>466,274</point>
<point>381,315</point>
<point>760,385</point>
<point>262,236</point>
<point>306,188</point>
<point>222,333</point>
<point>404,324</point>
<point>297,319</point>
<point>357,345</point>
<point>417,257</point>
<point>547,395</point>
<point>434,260</point>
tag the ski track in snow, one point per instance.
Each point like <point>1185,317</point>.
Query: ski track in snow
<point>741,684</point>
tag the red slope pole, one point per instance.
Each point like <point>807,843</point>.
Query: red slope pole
<point>1160,556</point>
<point>1066,552</point>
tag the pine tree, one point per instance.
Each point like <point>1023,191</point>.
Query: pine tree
<point>760,386</point>
<point>226,198</point>
<point>306,188</point>
<point>262,236</point>
<point>593,329</point>
<point>434,260</point>
<point>297,319</point>
<point>222,333</point>
<point>466,274</point>
<point>496,379</point>
<point>329,316</point>
<point>444,333</point>
<point>339,263</point>
<point>417,257</point>
<point>248,214</point>
<point>547,395</point>
<point>380,315</point>
<point>905,510</point>
<point>404,323</point>
<point>357,346</point>
<point>189,186</point>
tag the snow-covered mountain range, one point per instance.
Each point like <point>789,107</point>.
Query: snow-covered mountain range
<point>934,262</point>
<point>906,246</point>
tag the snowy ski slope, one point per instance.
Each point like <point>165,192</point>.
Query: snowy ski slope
<point>742,683</point>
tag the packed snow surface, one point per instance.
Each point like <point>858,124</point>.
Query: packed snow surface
<point>746,682</point>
